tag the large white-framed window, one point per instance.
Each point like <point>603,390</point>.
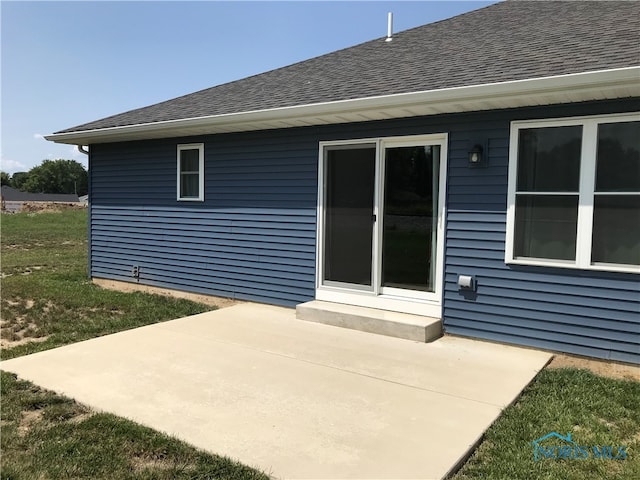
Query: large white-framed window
<point>190,167</point>
<point>574,193</point>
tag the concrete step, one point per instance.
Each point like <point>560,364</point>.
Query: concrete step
<point>382,322</point>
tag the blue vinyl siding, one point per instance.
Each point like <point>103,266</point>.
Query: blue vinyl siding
<point>254,236</point>
<point>575,311</point>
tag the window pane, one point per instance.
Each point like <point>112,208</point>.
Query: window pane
<point>189,160</point>
<point>410,217</point>
<point>546,226</point>
<point>618,157</point>
<point>616,229</point>
<point>549,159</point>
<point>349,193</point>
<point>189,185</point>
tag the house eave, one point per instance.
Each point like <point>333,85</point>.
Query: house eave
<point>588,86</point>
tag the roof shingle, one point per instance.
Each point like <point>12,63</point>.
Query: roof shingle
<point>512,40</point>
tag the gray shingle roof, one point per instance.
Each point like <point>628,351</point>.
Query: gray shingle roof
<point>11,194</point>
<point>512,40</point>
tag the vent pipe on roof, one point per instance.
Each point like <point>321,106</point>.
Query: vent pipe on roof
<point>389,27</point>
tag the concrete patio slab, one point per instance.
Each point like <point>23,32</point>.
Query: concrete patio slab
<point>293,398</point>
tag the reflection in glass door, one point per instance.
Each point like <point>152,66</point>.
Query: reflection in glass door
<point>409,230</point>
<point>349,191</point>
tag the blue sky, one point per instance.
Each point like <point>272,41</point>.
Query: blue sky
<point>67,63</point>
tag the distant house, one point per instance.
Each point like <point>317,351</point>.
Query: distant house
<point>482,170</point>
<point>13,199</point>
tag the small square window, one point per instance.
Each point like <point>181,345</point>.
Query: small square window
<point>190,182</point>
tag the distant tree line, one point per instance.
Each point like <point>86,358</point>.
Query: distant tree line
<point>51,176</point>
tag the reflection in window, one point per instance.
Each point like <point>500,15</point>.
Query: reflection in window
<point>546,226</point>
<point>616,207</point>
<point>575,198</point>
<point>348,223</point>
<point>190,172</point>
<point>616,229</point>
<point>549,159</point>
<point>618,157</point>
<point>547,192</point>
<point>410,217</point>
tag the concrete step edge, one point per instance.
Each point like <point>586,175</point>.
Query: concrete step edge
<point>394,324</point>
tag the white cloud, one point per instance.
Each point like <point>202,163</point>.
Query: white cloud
<point>38,136</point>
<point>12,166</point>
<point>78,156</point>
<point>73,151</point>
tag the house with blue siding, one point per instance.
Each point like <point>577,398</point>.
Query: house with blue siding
<point>482,172</point>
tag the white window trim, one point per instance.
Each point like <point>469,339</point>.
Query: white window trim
<point>200,148</point>
<point>586,192</point>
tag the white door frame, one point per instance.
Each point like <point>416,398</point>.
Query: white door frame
<point>408,301</point>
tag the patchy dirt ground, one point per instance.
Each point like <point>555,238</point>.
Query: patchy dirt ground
<point>194,297</point>
<point>599,367</point>
<point>18,330</point>
<point>48,207</point>
<point>39,207</point>
<point>21,340</point>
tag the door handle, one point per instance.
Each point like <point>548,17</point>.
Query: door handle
<point>373,218</point>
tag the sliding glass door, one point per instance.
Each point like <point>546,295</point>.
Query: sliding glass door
<point>380,217</point>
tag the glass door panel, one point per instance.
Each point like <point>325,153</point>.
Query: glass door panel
<point>349,192</point>
<point>410,209</point>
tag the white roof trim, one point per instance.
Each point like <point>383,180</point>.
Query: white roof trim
<point>597,85</point>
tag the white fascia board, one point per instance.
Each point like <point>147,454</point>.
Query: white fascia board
<point>539,91</point>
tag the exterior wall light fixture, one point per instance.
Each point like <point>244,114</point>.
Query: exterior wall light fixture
<point>475,156</point>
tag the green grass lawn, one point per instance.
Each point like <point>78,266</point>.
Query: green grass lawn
<point>596,411</point>
<point>47,436</point>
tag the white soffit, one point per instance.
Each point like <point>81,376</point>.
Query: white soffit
<point>599,85</point>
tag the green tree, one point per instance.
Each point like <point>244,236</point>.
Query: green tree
<point>18,180</point>
<point>57,176</point>
<point>5,179</point>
